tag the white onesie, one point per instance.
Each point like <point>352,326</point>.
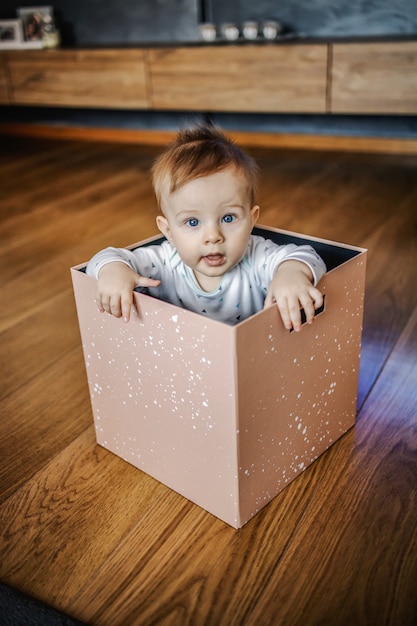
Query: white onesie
<point>242,290</point>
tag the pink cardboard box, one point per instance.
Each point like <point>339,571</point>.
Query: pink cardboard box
<point>225,415</point>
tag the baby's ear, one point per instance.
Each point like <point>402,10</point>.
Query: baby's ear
<point>162,223</point>
<point>255,211</point>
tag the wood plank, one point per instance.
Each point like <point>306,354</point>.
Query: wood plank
<point>286,78</point>
<point>365,206</point>
<point>99,199</point>
<point>348,196</point>
<point>60,392</point>
<point>76,510</point>
<point>36,190</point>
<point>80,78</point>
<point>374,78</point>
<point>391,293</point>
<point>4,81</point>
<point>27,177</point>
<point>296,546</point>
<point>143,136</point>
<point>379,479</point>
<point>87,533</point>
<point>50,278</point>
<point>32,165</point>
<point>33,336</point>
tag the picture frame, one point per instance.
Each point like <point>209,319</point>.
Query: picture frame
<point>33,21</point>
<point>11,34</point>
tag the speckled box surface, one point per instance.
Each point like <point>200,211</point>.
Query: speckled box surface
<point>226,415</point>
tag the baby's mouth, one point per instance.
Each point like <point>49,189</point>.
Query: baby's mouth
<point>214,260</point>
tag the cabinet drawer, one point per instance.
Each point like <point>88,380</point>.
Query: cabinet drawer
<point>265,78</point>
<point>90,78</point>
<point>374,78</point>
<point>4,83</point>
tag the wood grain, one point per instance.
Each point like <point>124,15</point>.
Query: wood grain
<point>374,78</point>
<point>82,78</point>
<point>89,534</point>
<point>249,78</point>
<point>4,81</point>
<point>154,137</point>
<point>359,78</point>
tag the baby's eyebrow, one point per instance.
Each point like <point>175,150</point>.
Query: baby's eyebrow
<point>196,212</point>
<point>234,207</point>
<point>182,214</point>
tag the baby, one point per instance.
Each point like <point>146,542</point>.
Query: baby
<point>210,262</point>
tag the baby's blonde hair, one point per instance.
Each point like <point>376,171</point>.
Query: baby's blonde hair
<point>200,151</point>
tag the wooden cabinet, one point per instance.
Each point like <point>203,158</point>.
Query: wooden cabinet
<point>358,78</point>
<point>4,83</point>
<point>374,78</point>
<point>250,78</point>
<point>82,78</point>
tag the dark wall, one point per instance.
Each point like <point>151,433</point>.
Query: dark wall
<point>101,22</point>
<point>113,22</point>
<point>325,18</point>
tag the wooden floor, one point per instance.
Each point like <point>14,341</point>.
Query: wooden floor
<point>89,534</point>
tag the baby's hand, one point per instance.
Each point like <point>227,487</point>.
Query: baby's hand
<point>115,285</point>
<point>292,290</point>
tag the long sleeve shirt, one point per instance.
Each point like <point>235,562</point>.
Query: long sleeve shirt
<point>242,290</point>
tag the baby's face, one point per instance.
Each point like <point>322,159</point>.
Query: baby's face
<point>209,221</point>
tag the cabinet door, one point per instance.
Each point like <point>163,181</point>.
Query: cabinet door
<point>89,78</point>
<point>258,78</point>
<point>4,83</point>
<point>374,78</point>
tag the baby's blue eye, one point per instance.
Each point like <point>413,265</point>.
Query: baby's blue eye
<point>193,222</point>
<point>227,219</point>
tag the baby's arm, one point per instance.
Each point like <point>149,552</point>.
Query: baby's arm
<point>115,285</point>
<point>292,289</point>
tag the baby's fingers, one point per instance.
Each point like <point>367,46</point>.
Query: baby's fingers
<point>309,310</point>
<point>126,299</point>
<point>310,302</point>
<point>317,297</point>
<point>289,309</point>
<point>103,302</point>
<point>126,303</point>
<point>100,304</point>
<point>127,296</point>
<point>116,304</point>
<point>142,281</point>
<point>269,300</point>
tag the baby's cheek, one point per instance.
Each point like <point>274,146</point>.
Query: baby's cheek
<point>189,259</point>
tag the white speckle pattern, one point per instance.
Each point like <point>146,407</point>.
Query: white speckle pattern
<point>226,416</point>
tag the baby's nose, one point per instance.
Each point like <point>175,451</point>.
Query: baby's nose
<point>213,234</point>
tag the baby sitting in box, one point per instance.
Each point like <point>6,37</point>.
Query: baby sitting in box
<point>210,262</point>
